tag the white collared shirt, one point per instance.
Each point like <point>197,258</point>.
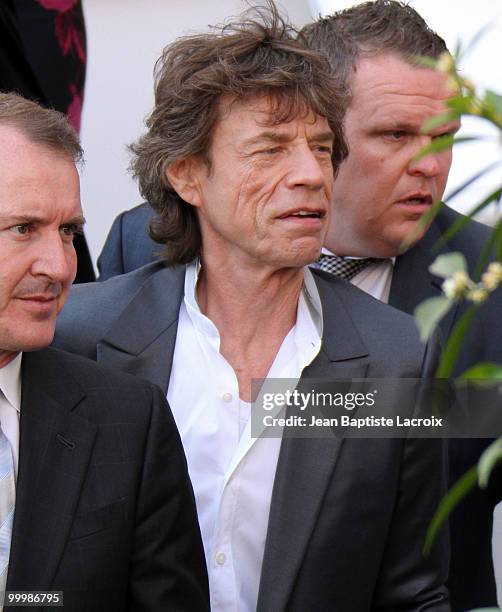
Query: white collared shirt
<point>375,279</point>
<point>231,472</point>
<point>10,404</point>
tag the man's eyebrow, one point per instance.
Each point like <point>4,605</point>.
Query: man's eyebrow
<point>280,137</point>
<point>34,219</point>
<point>269,136</point>
<point>398,126</point>
<point>411,126</point>
<point>326,136</point>
<point>78,220</point>
<point>16,219</point>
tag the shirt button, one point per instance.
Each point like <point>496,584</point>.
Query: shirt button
<point>226,397</point>
<point>221,558</point>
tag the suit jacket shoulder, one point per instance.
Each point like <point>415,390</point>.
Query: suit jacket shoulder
<point>128,245</point>
<point>94,308</point>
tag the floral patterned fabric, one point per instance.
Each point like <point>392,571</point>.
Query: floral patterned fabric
<point>43,57</point>
<point>53,33</point>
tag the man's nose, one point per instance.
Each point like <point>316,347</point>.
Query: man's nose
<point>428,165</point>
<point>55,259</point>
<point>305,170</point>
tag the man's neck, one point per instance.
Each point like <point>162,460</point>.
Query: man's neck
<point>253,314</point>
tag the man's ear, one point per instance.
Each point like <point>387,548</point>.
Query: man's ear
<point>184,177</point>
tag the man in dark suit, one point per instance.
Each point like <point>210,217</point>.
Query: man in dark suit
<point>241,178</point>
<point>96,502</point>
<point>380,193</point>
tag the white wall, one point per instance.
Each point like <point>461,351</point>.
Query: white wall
<point>125,37</point>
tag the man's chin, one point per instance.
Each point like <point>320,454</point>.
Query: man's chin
<point>35,343</point>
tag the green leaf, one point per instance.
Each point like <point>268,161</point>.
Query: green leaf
<point>461,104</point>
<point>427,62</point>
<point>454,344</point>
<point>437,121</point>
<point>438,144</point>
<point>494,239</point>
<point>498,239</point>
<point>485,371</point>
<point>459,490</point>
<point>486,610</point>
<point>429,313</point>
<point>462,221</point>
<point>446,265</point>
<point>488,460</point>
<point>422,224</point>
<point>441,143</point>
<point>494,100</point>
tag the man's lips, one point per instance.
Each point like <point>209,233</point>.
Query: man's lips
<point>304,216</point>
<point>41,303</point>
<point>416,199</point>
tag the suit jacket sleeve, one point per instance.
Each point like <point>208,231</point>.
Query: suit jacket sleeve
<point>168,569</point>
<point>408,580</point>
<point>110,261</point>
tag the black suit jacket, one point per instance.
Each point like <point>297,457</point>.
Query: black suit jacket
<point>472,582</point>
<point>104,508</point>
<point>347,518</point>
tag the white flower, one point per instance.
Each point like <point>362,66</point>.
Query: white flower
<point>492,278</point>
<point>477,295</point>
<point>457,285</point>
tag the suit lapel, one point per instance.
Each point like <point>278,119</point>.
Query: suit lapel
<point>305,467</point>
<point>142,339</point>
<point>54,450</point>
<point>412,283</point>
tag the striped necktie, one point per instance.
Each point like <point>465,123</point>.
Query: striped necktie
<point>343,267</point>
<point>7,503</point>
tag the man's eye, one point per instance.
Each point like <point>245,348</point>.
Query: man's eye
<point>69,231</point>
<point>21,230</point>
<point>444,135</point>
<point>325,149</point>
<point>396,135</point>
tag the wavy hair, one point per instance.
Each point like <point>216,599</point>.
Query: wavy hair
<point>260,54</point>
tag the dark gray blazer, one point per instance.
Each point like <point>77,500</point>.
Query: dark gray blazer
<point>104,507</point>
<point>471,582</point>
<point>347,518</point>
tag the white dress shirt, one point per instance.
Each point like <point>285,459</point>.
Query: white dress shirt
<point>375,279</point>
<point>231,472</point>
<point>10,404</point>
